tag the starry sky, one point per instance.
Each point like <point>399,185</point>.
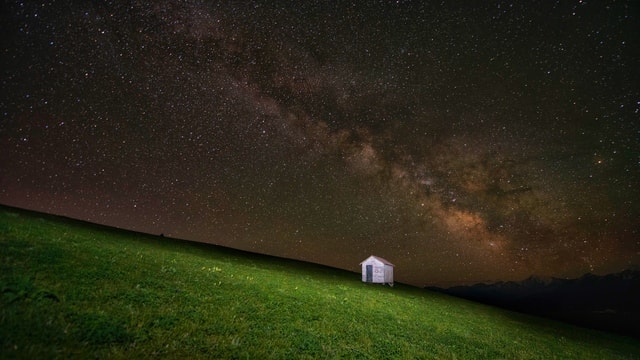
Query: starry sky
<point>463,141</point>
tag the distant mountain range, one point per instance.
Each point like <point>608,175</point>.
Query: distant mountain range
<point>609,303</point>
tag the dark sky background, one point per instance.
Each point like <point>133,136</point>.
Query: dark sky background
<point>463,141</point>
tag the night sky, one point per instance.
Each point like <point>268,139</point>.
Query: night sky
<point>463,141</point>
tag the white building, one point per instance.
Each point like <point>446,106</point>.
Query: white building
<point>377,270</point>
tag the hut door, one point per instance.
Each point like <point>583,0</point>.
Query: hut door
<point>369,273</point>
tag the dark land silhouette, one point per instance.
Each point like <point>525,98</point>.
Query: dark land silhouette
<point>610,303</point>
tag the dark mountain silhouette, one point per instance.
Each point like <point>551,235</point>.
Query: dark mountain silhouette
<point>609,303</point>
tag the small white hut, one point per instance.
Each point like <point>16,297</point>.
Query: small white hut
<point>377,270</point>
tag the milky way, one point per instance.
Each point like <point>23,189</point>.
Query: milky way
<point>464,142</point>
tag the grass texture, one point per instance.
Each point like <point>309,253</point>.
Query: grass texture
<point>77,290</point>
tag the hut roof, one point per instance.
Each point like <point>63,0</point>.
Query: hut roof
<point>384,261</point>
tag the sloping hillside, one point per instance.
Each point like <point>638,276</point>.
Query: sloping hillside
<point>76,290</point>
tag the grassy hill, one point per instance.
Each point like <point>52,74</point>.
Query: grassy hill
<point>76,290</point>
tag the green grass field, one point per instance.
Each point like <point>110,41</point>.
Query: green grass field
<point>76,290</point>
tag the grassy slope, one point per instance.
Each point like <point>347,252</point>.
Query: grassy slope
<point>71,289</point>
